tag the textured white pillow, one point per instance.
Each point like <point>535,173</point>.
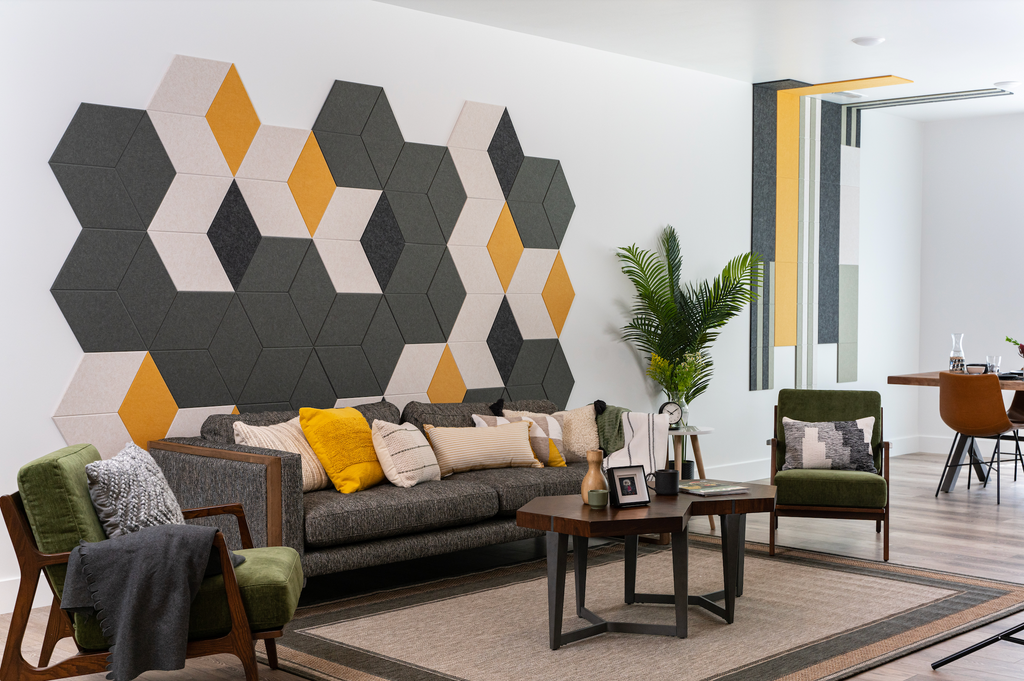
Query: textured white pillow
<point>130,492</point>
<point>471,449</point>
<point>404,454</point>
<point>286,437</point>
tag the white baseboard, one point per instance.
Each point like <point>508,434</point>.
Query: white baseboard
<point>9,594</point>
<point>744,471</point>
<point>934,444</point>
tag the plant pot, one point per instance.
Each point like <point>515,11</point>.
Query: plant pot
<point>686,470</point>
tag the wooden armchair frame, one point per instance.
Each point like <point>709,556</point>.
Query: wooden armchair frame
<point>880,516</point>
<point>240,640</point>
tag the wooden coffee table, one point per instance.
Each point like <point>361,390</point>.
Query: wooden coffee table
<point>567,515</point>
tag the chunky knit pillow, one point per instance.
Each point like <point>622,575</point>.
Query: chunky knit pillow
<point>130,492</point>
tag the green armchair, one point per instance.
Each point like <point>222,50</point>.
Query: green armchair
<point>52,512</point>
<point>820,493</point>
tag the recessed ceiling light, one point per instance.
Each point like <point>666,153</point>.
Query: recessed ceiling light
<point>851,95</point>
<point>1011,85</point>
<point>869,40</point>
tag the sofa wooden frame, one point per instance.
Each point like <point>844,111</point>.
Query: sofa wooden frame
<point>880,516</point>
<point>239,641</point>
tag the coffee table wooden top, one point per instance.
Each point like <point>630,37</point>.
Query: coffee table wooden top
<point>569,515</point>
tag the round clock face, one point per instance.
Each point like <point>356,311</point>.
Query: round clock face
<point>672,410</point>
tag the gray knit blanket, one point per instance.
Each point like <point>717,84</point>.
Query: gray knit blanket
<point>141,586</point>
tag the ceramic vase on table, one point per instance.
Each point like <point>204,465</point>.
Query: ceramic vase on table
<point>594,479</point>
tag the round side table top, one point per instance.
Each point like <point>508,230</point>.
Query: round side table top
<point>691,430</point>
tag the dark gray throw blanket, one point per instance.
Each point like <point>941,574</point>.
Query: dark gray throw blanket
<point>141,587</point>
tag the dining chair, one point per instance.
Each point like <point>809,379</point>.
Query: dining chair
<point>972,405</point>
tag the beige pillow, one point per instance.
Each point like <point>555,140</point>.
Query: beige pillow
<point>470,449</point>
<point>545,435</point>
<point>286,437</point>
<point>579,432</point>
<point>404,454</point>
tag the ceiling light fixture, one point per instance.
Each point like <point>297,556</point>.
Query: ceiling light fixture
<point>851,95</point>
<point>1011,85</point>
<point>869,40</point>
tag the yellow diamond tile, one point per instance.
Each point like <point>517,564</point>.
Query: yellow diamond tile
<point>312,184</point>
<point>447,384</point>
<point>233,119</point>
<point>148,409</point>
<point>558,294</point>
<point>505,247</point>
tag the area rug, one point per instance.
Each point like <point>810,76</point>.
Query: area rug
<point>803,616</point>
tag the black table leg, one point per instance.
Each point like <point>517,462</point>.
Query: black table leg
<point>632,543</point>
<point>558,545</point>
<point>579,561</point>
<point>742,541</point>
<point>731,549</point>
<point>680,578</point>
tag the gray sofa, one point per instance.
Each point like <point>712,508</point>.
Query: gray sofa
<point>334,532</point>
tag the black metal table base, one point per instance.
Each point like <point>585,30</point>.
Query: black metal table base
<point>733,536</point>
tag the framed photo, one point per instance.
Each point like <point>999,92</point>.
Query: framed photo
<point>628,486</point>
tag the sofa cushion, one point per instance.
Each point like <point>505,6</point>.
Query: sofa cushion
<point>221,427</point>
<point>824,487</point>
<point>333,519</point>
<point>460,414</point>
<point>516,486</point>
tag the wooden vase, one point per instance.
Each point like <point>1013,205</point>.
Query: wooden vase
<point>594,478</point>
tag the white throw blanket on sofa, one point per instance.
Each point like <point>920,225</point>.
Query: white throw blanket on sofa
<point>646,442</point>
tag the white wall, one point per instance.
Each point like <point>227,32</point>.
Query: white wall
<point>642,145</point>
<point>971,244</point>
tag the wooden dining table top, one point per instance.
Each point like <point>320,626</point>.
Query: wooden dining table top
<point>931,378</point>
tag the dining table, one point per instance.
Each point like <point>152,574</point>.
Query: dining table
<point>963,447</point>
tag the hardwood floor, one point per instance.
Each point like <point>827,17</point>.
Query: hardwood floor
<point>963,532</point>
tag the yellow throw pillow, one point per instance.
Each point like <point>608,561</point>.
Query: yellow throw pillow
<point>342,440</point>
<point>471,449</point>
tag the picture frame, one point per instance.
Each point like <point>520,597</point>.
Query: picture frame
<point>627,486</point>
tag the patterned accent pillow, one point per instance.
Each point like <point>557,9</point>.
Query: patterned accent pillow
<point>404,454</point>
<point>472,449</point>
<point>130,492</point>
<point>545,435</point>
<point>286,437</point>
<point>579,432</point>
<point>838,445</point>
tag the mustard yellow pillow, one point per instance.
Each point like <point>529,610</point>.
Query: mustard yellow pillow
<point>342,440</point>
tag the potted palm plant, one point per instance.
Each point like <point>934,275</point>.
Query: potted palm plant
<point>674,324</point>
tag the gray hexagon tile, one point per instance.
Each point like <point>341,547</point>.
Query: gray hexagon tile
<point>446,294</point>
<point>147,291</point>
<point>382,345</point>
<point>349,371</point>
<point>312,292</point>
<point>532,363</point>
<point>447,195</point>
<point>99,321</point>
<point>559,204</point>
<point>348,160</point>
<point>532,222</point>
<point>234,235</point>
<point>533,179</point>
<point>98,197</point>
<point>416,167</point>
<point>506,153</point>
<point>415,269</point>
<point>192,378</point>
<point>275,375</point>
<point>349,319</point>
<point>146,170</point>
<point>525,392</point>
<point>382,138</point>
<point>415,218</point>
<point>347,107</point>
<point>98,260</point>
<point>97,135</point>
<point>275,319</point>
<point>192,321</point>
<point>314,388</point>
<point>415,317</point>
<point>558,381</point>
<point>274,264</point>
<point>235,348</point>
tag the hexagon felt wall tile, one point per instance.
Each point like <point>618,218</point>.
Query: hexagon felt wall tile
<point>226,265</point>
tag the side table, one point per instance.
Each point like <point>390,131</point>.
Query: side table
<point>677,446</point>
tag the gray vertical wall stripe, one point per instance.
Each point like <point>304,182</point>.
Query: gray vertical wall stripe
<point>828,223</point>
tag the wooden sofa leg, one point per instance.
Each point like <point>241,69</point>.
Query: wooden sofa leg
<point>772,524</point>
<point>885,540</point>
<point>271,646</point>
<point>57,627</point>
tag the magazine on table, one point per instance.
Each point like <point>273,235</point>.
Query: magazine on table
<point>710,488</point>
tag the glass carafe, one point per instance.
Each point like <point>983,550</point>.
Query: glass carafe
<point>956,355</point>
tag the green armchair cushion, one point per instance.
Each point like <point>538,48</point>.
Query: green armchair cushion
<point>824,487</point>
<point>829,405</point>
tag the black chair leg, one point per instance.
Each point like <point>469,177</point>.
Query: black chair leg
<point>1005,636</point>
<point>949,458</point>
<point>999,467</point>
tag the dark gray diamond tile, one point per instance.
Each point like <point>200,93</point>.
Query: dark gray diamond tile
<point>235,348</point>
<point>234,235</point>
<point>506,153</point>
<point>558,381</point>
<point>559,204</point>
<point>415,269</point>
<point>273,266</point>
<point>275,375</point>
<point>147,291</point>
<point>349,319</point>
<point>532,222</point>
<point>446,294</point>
<point>415,317</point>
<point>382,345</point>
<point>146,170</point>
<point>312,292</point>
<point>313,389</point>
<point>416,167</point>
<point>99,321</point>
<point>489,395</point>
<point>382,241</point>
<point>192,378</point>
<point>192,321</point>
<point>348,161</point>
<point>525,392</point>
<point>97,135</point>
<point>349,371</point>
<point>275,319</point>
<point>98,197</point>
<point>383,138</point>
<point>346,108</point>
<point>447,195</point>
<point>532,363</point>
<point>504,340</point>
<point>415,218</point>
<point>533,179</point>
<point>98,260</point>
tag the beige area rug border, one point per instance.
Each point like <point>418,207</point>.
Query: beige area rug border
<point>833,669</point>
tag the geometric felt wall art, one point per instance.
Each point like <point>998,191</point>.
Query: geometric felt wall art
<point>229,265</point>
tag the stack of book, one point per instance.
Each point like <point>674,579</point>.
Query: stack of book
<point>710,488</point>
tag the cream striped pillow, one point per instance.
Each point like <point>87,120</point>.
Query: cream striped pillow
<point>470,449</point>
<point>404,454</point>
<point>545,435</point>
<point>286,437</point>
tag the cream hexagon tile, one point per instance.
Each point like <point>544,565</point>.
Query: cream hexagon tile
<point>190,144</point>
<point>273,153</point>
<point>476,172</point>
<point>475,318</point>
<point>189,86</point>
<point>476,222</point>
<point>188,422</point>
<point>532,316</point>
<point>347,213</point>
<point>273,207</point>
<point>191,261</point>
<point>532,271</point>
<point>476,269</point>
<point>401,400</point>
<point>476,125</point>
<point>191,203</point>
<point>105,432</point>
<point>100,383</point>
<point>356,401</point>
<point>476,363</point>
<point>414,370</point>
<point>347,266</point>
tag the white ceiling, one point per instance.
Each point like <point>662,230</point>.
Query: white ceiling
<point>942,45</point>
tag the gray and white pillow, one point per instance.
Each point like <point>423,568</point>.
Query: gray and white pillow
<point>404,454</point>
<point>837,445</point>
<point>130,492</point>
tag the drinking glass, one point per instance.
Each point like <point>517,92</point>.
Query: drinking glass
<point>993,362</point>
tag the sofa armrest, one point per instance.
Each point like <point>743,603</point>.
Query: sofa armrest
<point>266,482</point>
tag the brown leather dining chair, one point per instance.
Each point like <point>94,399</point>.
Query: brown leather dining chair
<point>972,405</point>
